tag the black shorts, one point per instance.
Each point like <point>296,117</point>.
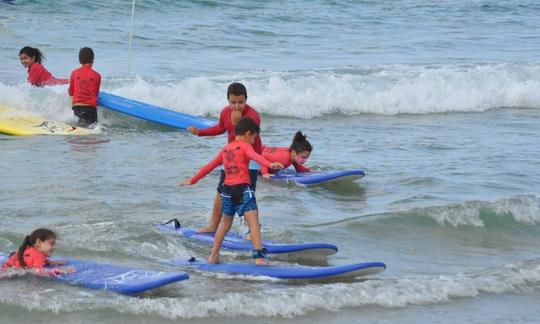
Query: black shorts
<point>87,114</point>
<point>253,174</point>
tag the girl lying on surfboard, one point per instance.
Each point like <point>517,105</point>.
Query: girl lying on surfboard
<point>34,252</point>
<point>38,75</point>
<point>295,155</point>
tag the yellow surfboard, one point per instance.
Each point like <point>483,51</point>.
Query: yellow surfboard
<point>36,125</point>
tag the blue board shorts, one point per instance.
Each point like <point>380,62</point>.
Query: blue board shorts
<point>253,175</point>
<point>237,199</point>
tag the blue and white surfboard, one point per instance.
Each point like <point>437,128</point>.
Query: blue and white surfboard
<point>121,279</point>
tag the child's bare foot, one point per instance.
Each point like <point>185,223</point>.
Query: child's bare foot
<point>207,229</point>
<point>261,261</point>
<point>213,259</point>
<point>247,237</point>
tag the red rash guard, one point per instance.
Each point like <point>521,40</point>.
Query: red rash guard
<point>283,156</point>
<point>225,125</point>
<point>32,258</point>
<point>235,158</point>
<point>39,76</point>
<point>84,86</point>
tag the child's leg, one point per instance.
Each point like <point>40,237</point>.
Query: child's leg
<point>252,218</point>
<point>216,216</point>
<point>224,227</point>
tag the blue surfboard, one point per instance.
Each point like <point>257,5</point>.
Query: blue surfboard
<point>314,178</point>
<point>152,113</point>
<point>235,241</point>
<point>124,280</point>
<point>284,271</point>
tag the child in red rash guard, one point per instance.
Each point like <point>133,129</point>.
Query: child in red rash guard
<point>229,117</point>
<point>297,154</point>
<point>84,86</point>
<point>236,195</point>
<point>34,252</point>
<point>38,75</point>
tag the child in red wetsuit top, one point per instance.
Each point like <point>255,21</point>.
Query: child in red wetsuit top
<point>228,119</point>
<point>297,154</point>
<point>237,196</point>
<point>34,252</point>
<point>84,86</point>
<point>38,75</point>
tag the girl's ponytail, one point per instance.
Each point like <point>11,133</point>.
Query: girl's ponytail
<point>26,243</point>
<point>300,143</point>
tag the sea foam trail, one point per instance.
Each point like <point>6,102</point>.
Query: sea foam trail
<point>296,300</point>
<point>386,90</point>
<point>521,209</point>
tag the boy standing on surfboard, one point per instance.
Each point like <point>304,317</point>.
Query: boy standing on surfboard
<point>228,119</point>
<point>237,196</point>
<point>84,86</point>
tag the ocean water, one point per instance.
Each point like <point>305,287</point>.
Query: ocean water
<point>436,101</point>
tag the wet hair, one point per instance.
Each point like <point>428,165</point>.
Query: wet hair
<point>247,125</point>
<point>86,55</point>
<point>236,89</point>
<point>32,52</point>
<point>300,143</point>
<point>41,234</point>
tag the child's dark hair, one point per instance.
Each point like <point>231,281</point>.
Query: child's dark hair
<point>41,234</point>
<point>236,89</point>
<point>300,143</point>
<point>33,52</point>
<point>86,55</point>
<point>247,125</point>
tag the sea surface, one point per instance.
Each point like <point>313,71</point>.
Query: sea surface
<point>438,101</point>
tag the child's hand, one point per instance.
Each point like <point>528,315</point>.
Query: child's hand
<point>276,166</point>
<point>58,271</point>
<point>193,130</point>
<point>267,176</point>
<point>186,182</point>
<point>236,115</point>
<point>56,262</point>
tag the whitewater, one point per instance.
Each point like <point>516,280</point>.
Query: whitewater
<point>437,101</point>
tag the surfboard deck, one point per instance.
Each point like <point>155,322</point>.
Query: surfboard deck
<point>314,178</point>
<point>152,113</point>
<point>236,242</point>
<point>297,272</point>
<point>36,125</point>
<point>120,279</point>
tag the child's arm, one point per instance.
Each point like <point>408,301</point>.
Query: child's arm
<point>265,171</point>
<point>260,159</point>
<point>71,85</point>
<point>56,262</point>
<point>204,170</point>
<point>300,168</point>
<point>210,131</point>
<point>98,85</point>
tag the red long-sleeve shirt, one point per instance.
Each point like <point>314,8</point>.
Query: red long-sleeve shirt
<point>225,125</point>
<point>235,158</point>
<point>32,258</point>
<point>39,76</point>
<point>283,156</point>
<point>84,86</point>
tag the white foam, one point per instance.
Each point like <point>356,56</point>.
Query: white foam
<point>524,209</point>
<point>387,90</point>
<point>294,300</point>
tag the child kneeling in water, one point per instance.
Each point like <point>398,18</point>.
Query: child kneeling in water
<point>34,252</point>
<point>237,196</point>
<point>295,155</point>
